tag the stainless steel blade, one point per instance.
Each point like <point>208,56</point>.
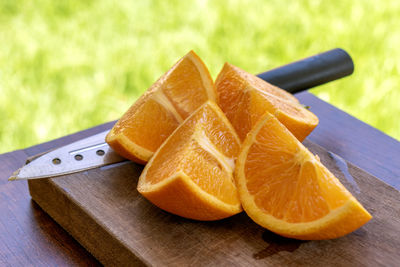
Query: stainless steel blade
<point>88,153</point>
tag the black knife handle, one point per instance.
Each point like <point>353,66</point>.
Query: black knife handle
<point>312,71</point>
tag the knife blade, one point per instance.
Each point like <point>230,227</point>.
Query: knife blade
<point>87,153</point>
<point>93,152</point>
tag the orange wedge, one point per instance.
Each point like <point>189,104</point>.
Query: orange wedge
<point>286,189</point>
<point>157,113</point>
<point>244,98</point>
<point>191,174</point>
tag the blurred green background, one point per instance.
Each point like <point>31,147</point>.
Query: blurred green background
<point>69,65</point>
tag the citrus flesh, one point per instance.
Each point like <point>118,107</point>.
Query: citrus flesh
<point>286,189</point>
<point>191,174</point>
<point>159,111</point>
<point>244,98</point>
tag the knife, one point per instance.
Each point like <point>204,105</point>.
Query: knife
<point>93,152</point>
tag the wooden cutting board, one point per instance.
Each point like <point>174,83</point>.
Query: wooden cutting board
<point>103,211</point>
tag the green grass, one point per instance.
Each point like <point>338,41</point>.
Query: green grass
<point>69,65</point>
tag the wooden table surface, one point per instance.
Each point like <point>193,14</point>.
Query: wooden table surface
<point>28,236</point>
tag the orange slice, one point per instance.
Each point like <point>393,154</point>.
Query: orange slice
<point>286,189</point>
<point>245,98</point>
<point>190,175</point>
<point>157,113</point>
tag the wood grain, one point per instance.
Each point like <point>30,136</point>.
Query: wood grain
<point>103,211</point>
<point>29,237</point>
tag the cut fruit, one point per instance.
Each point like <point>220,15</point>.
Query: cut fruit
<point>191,174</point>
<point>286,189</point>
<point>157,113</point>
<point>244,98</point>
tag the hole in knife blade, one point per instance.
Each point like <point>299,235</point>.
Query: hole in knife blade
<point>78,157</point>
<point>100,152</point>
<point>56,161</point>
